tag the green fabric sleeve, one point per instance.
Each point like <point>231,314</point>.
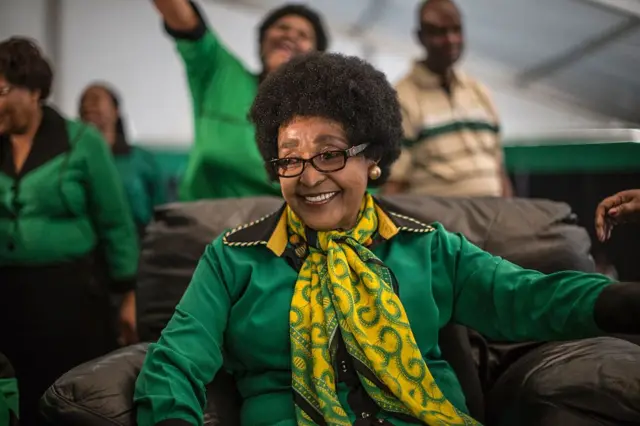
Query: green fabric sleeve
<point>188,354</point>
<point>202,59</point>
<point>203,55</point>
<point>507,303</point>
<point>8,400</point>
<point>110,211</point>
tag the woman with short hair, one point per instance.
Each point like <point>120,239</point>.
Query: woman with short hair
<point>62,215</point>
<point>328,311</point>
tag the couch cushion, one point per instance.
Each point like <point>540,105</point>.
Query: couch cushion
<point>536,234</point>
<point>100,393</point>
<point>591,382</point>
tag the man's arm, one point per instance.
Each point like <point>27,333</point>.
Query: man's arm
<point>507,186</point>
<point>398,182</point>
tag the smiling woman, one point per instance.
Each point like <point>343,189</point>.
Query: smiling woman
<point>335,138</point>
<point>329,310</point>
<point>62,211</point>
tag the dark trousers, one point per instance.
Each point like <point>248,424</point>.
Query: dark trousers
<point>52,319</point>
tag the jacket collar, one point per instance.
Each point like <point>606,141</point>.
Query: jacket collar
<point>271,230</point>
<point>51,140</point>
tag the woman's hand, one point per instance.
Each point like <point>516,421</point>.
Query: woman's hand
<point>619,208</point>
<point>127,320</point>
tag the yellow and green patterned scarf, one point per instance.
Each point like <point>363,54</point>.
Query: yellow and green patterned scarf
<point>342,286</point>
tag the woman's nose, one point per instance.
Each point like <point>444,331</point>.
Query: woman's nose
<point>310,176</point>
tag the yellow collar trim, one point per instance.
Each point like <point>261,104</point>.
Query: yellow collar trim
<point>254,235</point>
<point>278,240</point>
<point>386,228</point>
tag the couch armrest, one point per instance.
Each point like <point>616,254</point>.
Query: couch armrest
<point>100,393</point>
<point>583,382</point>
<point>96,393</point>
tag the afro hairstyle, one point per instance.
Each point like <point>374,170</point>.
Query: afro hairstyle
<point>322,39</point>
<point>345,89</point>
<point>22,65</point>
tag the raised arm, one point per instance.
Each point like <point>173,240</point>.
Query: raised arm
<point>179,15</point>
<point>507,303</point>
<point>199,48</point>
<point>171,386</point>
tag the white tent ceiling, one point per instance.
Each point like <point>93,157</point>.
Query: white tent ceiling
<point>589,49</point>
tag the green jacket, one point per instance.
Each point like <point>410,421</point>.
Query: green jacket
<point>143,181</point>
<point>224,161</point>
<point>235,315</point>
<point>9,404</point>
<point>66,202</point>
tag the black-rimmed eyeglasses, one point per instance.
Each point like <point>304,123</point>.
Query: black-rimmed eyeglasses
<point>324,162</point>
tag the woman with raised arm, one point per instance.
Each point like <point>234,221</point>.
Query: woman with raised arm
<point>224,160</point>
<point>63,215</point>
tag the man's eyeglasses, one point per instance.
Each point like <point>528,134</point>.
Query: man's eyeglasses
<point>324,162</point>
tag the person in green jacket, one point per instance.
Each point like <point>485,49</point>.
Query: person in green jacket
<point>65,232</point>
<point>328,311</point>
<point>224,161</point>
<point>141,175</point>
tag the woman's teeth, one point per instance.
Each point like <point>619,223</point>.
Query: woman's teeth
<point>320,198</point>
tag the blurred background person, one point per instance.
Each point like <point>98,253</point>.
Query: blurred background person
<point>141,175</point>
<point>62,210</point>
<point>224,160</point>
<point>452,141</point>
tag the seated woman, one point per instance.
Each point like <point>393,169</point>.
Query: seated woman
<point>328,311</point>
<point>62,212</point>
<point>140,173</point>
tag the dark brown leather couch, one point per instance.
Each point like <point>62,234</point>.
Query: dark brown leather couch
<point>535,234</point>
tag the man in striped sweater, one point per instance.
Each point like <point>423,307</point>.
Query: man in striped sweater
<point>452,130</point>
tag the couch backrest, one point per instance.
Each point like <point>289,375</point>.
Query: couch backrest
<point>535,234</point>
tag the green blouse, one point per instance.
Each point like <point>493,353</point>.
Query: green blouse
<point>235,315</point>
<point>66,202</point>
<point>224,161</point>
